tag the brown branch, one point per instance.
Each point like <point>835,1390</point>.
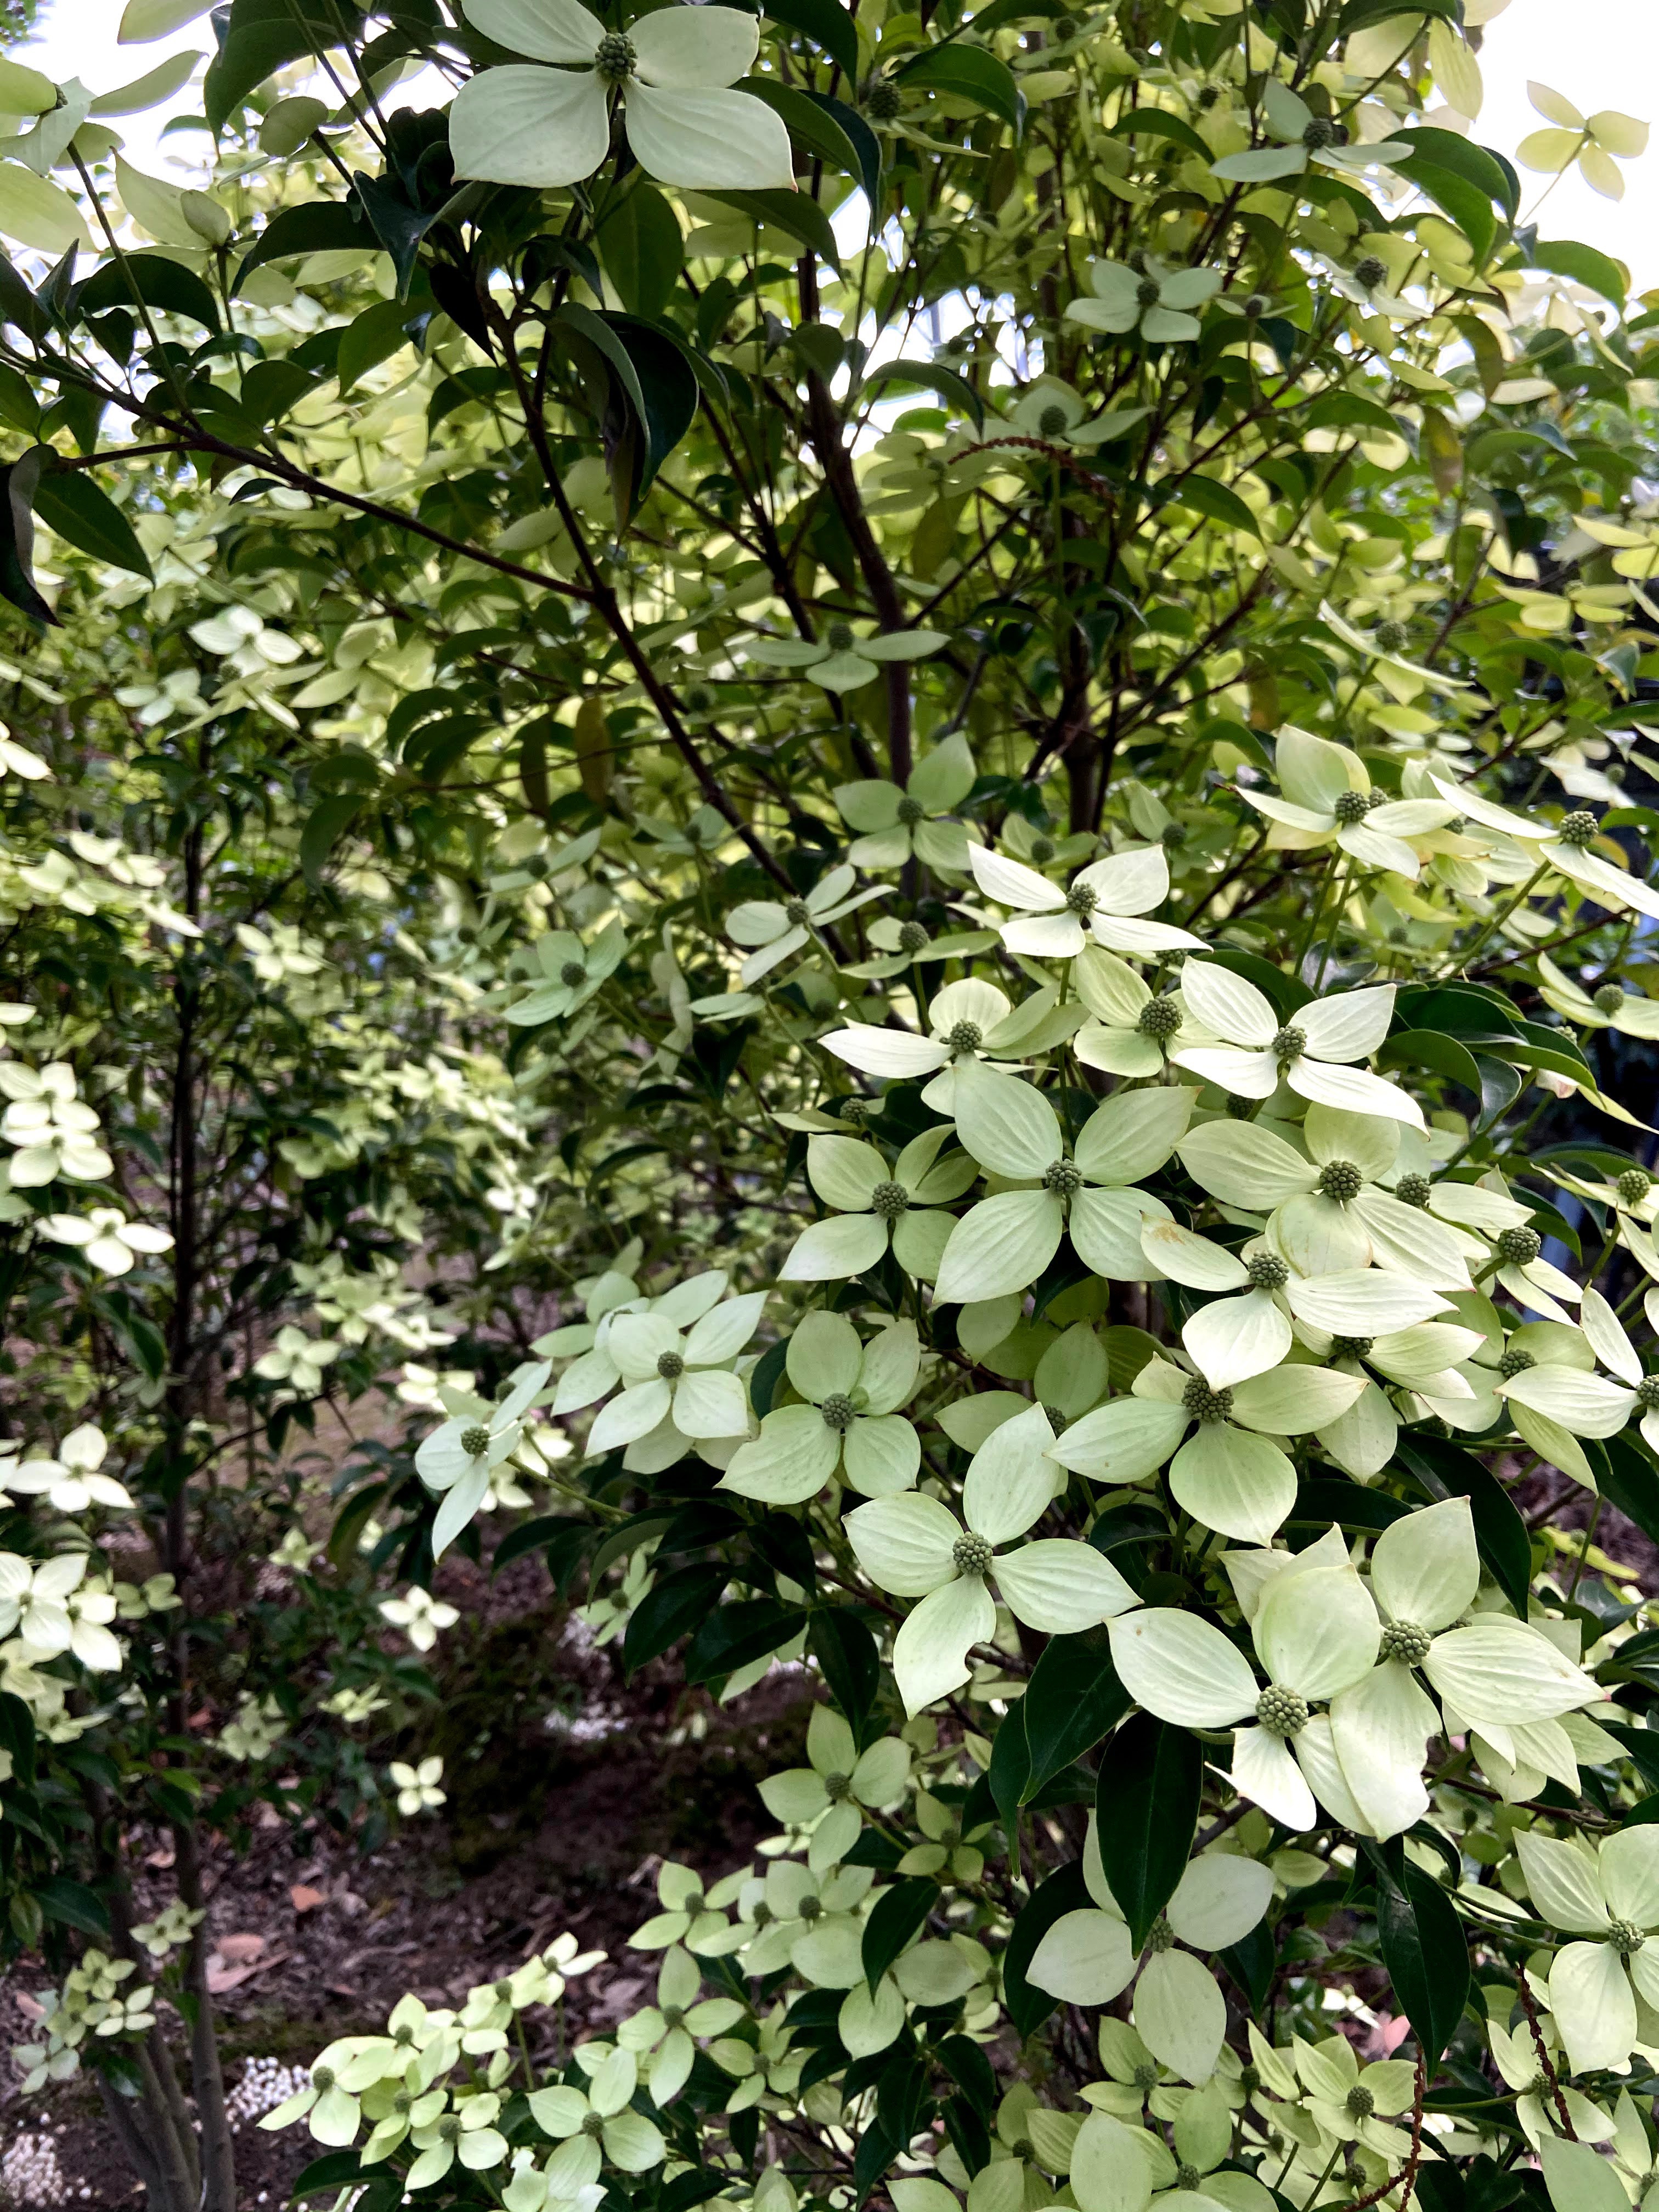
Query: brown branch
<point>1408,2173</point>
<point>1528,2005</point>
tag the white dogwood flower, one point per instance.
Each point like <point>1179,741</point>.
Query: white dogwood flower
<point>70,1480</point>
<point>1609,1892</point>
<point>1103,901</point>
<point>458,1459</point>
<point>519,125</point>
<point>850,1425</point>
<point>1308,1051</point>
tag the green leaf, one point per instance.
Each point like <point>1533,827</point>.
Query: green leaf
<point>969,73</point>
<point>1009,1769</point>
<point>674,1608</point>
<point>1583,265</point>
<point>1215,502</point>
<point>932,376</point>
<point>1341,410</point>
<point>734,1635</point>
<point>1468,1010</point>
<point>654,377</point>
<point>1152,1779</point>
<point>1489,173</point>
<point>815,128</point>
<point>827,25</point>
<point>374,337</point>
<point>797,213</point>
<point>1158,123</point>
<point>263,36</point>
<point>530,1536</point>
<point>70,503</point>
<point>317,226</point>
<point>72,1903</point>
<point>1469,207</point>
<point>1425,1954</point>
<point>329,2171</point>
<point>1432,1049</point>
<point>846,1651</point>
<point>640,245</point>
<point>1014,11</point>
<point>897,1917</point>
<point>160,282</point>
<point>325,825</point>
<point>1073,1698</point>
<point>20,482</point>
<point>1631,1482</point>
<point>1062,1892</point>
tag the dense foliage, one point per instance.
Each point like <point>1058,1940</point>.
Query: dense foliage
<point>844,815</point>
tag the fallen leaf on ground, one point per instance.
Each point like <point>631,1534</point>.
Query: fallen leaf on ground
<point>223,1976</point>
<point>304,1899</point>
<point>236,1948</point>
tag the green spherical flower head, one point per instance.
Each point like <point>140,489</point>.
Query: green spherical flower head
<point>671,1365</point>
<point>1608,999</point>
<point>1413,1190</point>
<point>614,60</point>
<point>1281,1710</point>
<point>474,1441</point>
<point>1205,1404</point>
<point>1370,271</point>
<point>1405,1641</point>
<point>1578,828</point>
<point>1188,2177</point>
<point>883,102</point>
<point>1352,1347</point>
<point>322,2079</point>
<point>1172,836</point>
<point>964,1036</point>
<point>889,1200</point>
<point>1361,2102</point>
<point>1633,1186</point>
<point>1160,1936</point>
<point>1147,292</point>
<point>404,2103</point>
<point>855,1110</point>
<point>1519,1248</point>
<point>1051,422</point>
<point>1145,2077</point>
<point>1288,1044</point>
<point>1063,1178</point>
<point>1257,305</point>
<point>593,2125</point>
<point>797,913</point>
<point>1159,1018</point>
<point>971,1555</point>
<point>572,974</point>
<point>1647,1393</point>
<point>1516,1361</point>
<point>1249,2080</point>
<point>1208,95</point>
<point>673,2015</point>
<point>1625,1937</point>
<point>449,2127</point>
<point>1043,850</point>
<point>1055,1416</point>
<point>837,1787</point>
<point>1318,133</point>
<point>1136,259</point>
<point>699,699</point>
<point>1341,1180</point>
<point>910,812</point>
<point>838,636</point>
<point>1239,1110</point>
<point>503,1989</point>
<point>1266,1271</point>
<point>1083,899</point>
<point>913,937</point>
<point>839,1411</point>
<point>1350,807</point>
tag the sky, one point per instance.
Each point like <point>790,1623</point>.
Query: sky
<point>1599,53</point>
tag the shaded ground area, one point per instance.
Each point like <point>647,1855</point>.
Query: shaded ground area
<point>584,1802</point>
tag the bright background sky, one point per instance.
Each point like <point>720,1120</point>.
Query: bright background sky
<point>1599,53</point>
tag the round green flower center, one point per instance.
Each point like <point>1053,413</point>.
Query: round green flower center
<point>971,1555</point>
<point>837,1787</point>
<point>1172,836</point>
<point>1519,1248</point>
<point>403,2104</point>
<point>1043,850</point>
<point>1352,1347</point>
<point>1647,1393</point>
<point>1625,1936</point>
<point>1341,1180</point>
<point>572,973</point>
<point>839,1411</point>
<point>1055,1416</point>
<point>839,637</point>
<point>1083,899</point>
<point>965,1036</point>
<point>671,1365</point>
<point>1369,271</point>
<point>699,699</point>
<point>1578,828</point>
<point>503,1990</point>
<point>764,1915</point>
<point>1413,1190</point>
<point>474,1441</point>
<point>1160,1936</point>
<point>1145,2077</point>
<point>855,1110</point>
<point>593,2125</point>
<point>1404,1640</point>
<point>1051,423</point>
<point>322,2079</point>
<point>405,2037</point>
<point>1319,133</point>
<point>1349,807</point>
<point>913,937</point>
<point>1634,1185</point>
<point>1158,1019</point>
<point>1266,1271</point>
<point>910,812</point>
<point>797,913</point>
<point>1249,2080</point>
<point>1147,292</point>
<point>615,58</point>
<point>1205,1404</point>
<point>1288,1044</point>
<point>1609,998</point>
<point>1516,1361</point>
<point>1281,1710</point>
<point>1064,1178</point>
<point>883,101</point>
<point>1257,305</point>
<point>888,1201</point>
<point>673,2016</point>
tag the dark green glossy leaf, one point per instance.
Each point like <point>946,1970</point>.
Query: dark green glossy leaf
<point>1073,1698</point>
<point>674,1608</point>
<point>896,1918</point>
<point>70,503</point>
<point>1151,1780</point>
<point>163,284</point>
<point>932,376</point>
<point>1062,1892</point>
<point>1427,1956</point>
<point>969,73</point>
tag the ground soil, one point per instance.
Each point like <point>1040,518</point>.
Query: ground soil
<point>561,1825</point>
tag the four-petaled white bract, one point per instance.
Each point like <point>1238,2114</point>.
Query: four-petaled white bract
<point>522,124</point>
